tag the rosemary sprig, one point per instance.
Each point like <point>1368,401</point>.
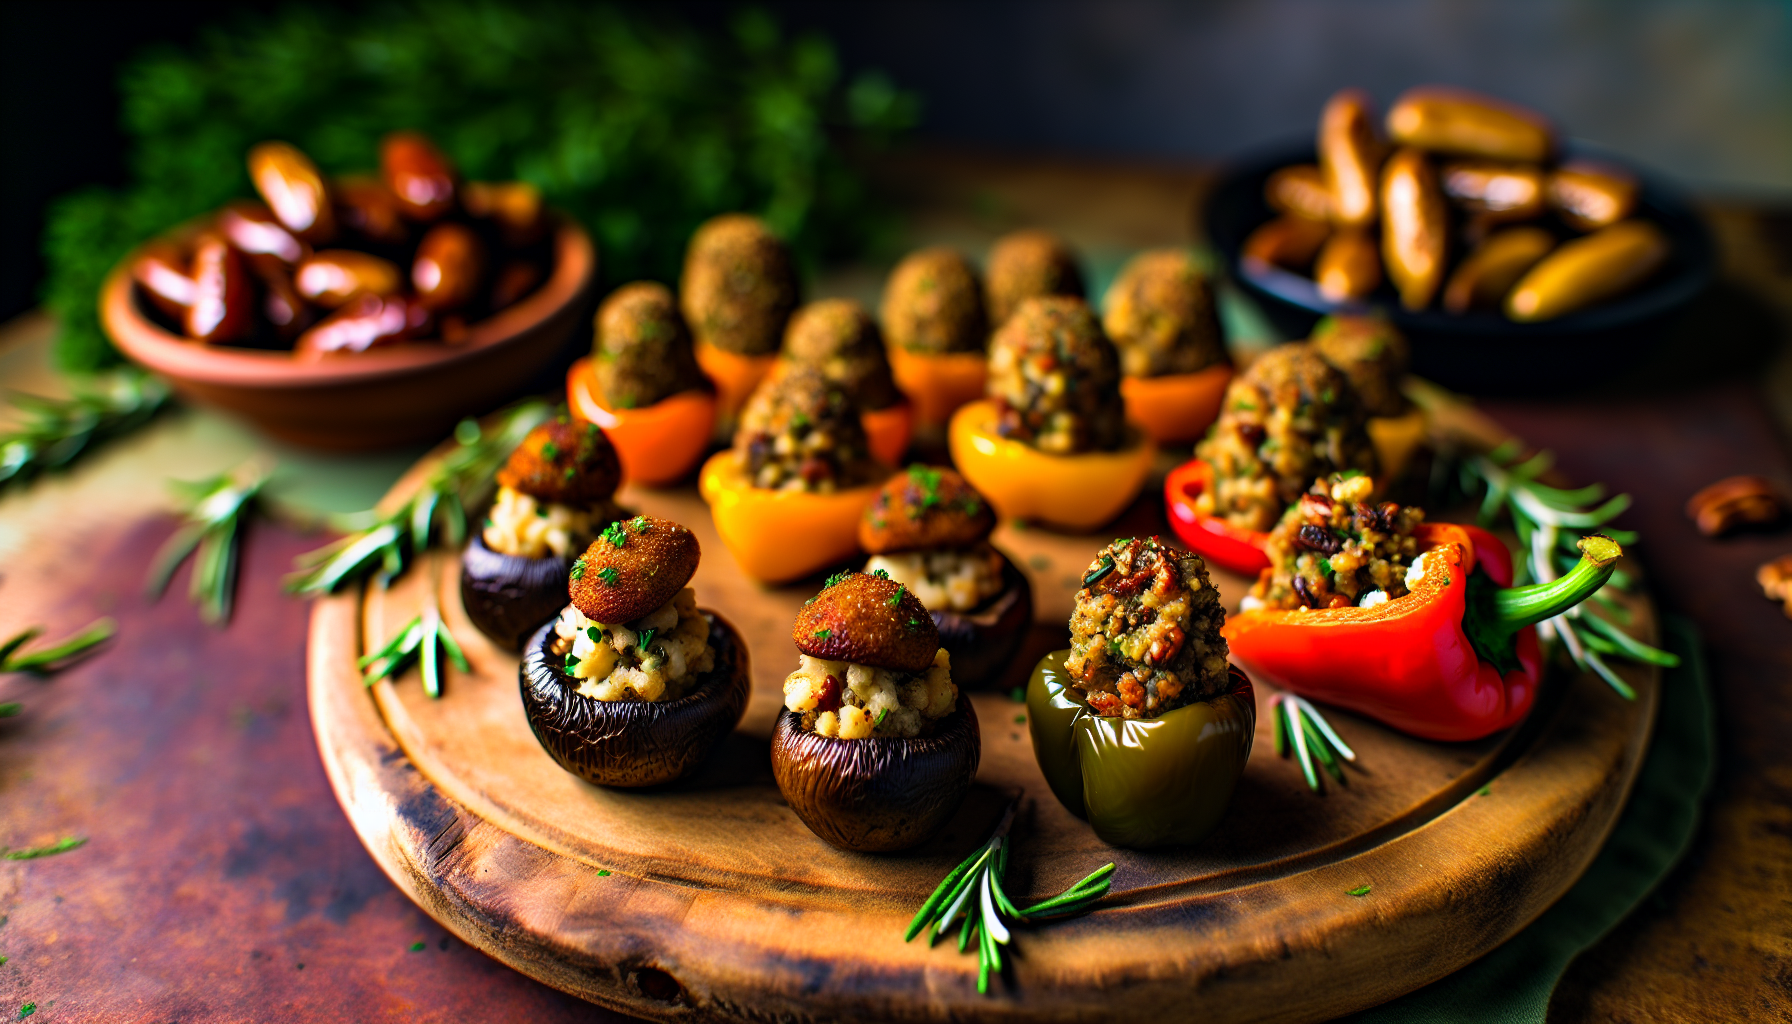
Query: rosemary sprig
<point>1302,731</point>
<point>972,894</point>
<point>56,431</point>
<point>437,512</point>
<point>215,510</point>
<point>55,656</point>
<point>62,845</point>
<point>422,639</point>
<point>1549,521</point>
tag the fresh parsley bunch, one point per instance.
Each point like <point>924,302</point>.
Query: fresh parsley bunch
<point>638,126</point>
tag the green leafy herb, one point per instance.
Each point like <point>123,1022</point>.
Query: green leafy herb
<point>416,947</point>
<point>422,639</point>
<point>386,539</point>
<point>973,893</point>
<point>596,635</point>
<point>822,634</point>
<point>1018,695</point>
<point>549,450</point>
<point>63,845</point>
<point>1361,890</point>
<point>1549,521</point>
<point>55,656</point>
<point>1102,566</point>
<point>603,873</point>
<point>1020,719</point>
<point>213,516</point>
<point>27,1010</point>
<point>836,578</point>
<point>928,480</point>
<point>614,535</point>
<point>640,524</point>
<point>578,569</point>
<point>609,575</point>
<point>896,598</point>
<point>646,638</point>
<point>636,125</point>
<point>881,715</point>
<point>1302,731</point>
<point>56,431</point>
<point>8,710</point>
<point>880,574</point>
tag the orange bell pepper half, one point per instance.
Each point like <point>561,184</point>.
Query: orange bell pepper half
<point>734,375</point>
<point>658,443</point>
<point>939,383</point>
<point>1176,408</point>
<point>778,536</point>
<point>889,431</point>
<point>1078,492</point>
<point>1455,659</point>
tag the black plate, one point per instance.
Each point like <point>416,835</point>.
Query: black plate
<point>1480,352</point>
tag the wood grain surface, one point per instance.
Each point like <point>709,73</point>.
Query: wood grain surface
<point>710,900</point>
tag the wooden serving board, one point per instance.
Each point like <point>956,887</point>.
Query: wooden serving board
<point>709,900</point>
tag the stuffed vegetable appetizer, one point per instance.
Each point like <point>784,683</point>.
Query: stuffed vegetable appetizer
<point>1162,318</point>
<point>787,497</point>
<point>937,331</point>
<point>554,495</point>
<point>928,529</point>
<point>738,289</point>
<point>839,338</point>
<point>1051,441</point>
<point>633,684</point>
<point>1288,419</point>
<point>1025,265</point>
<point>1143,727</point>
<point>642,385</point>
<point>876,747</point>
<point>1414,624</point>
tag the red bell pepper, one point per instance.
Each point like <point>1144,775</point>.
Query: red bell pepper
<point>1455,659</point>
<point>1214,539</point>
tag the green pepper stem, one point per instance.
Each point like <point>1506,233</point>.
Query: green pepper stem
<point>1514,608</point>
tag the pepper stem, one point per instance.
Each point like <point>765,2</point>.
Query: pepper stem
<point>1514,608</point>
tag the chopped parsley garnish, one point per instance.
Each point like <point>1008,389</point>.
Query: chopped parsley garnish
<point>614,535</point>
<point>7,710</point>
<point>836,578</point>
<point>639,524</point>
<point>880,574</point>
<point>881,715</point>
<point>571,471</point>
<point>1020,719</point>
<point>896,598</point>
<point>27,1010</point>
<point>1361,890</point>
<point>1114,647</point>
<point>572,663</point>
<point>1325,566</point>
<point>578,569</point>
<point>1101,568</point>
<point>646,638</point>
<point>416,947</point>
<point>550,450</point>
<point>603,872</point>
<point>822,634</point>
<point>596,635</point>
<point>928,479</point>
<point>609,575</point>
<point>1349,474</point>
<point>972,506</point>
<point>1018,695</point>
<point>63,845</point>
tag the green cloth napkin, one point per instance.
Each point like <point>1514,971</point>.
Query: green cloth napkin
<point>1513,983</point>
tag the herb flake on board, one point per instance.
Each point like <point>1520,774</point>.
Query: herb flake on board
<point>1361,890</point>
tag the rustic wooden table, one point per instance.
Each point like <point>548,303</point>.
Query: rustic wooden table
<point>221,882</point>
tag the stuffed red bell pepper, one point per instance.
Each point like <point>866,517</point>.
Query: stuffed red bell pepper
<point>1411,623</point>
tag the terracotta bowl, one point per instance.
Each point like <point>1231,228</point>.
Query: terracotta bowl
<point>407,393</point>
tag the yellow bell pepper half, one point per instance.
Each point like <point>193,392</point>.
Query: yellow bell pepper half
<point>779,536</point>
<point>1077,492</point>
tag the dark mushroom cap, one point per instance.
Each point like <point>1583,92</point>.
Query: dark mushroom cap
<point>634,742</point>
<point>739,285</point>
<point>1372,353</point>
<point>643,349</point>
<point>507,596</point>
<point>635,567</point>
<point>880,793</point>
<point>925,509</point>
<point>1056,378</point>
<point>837,337</point>
<point>934,303</point>
<point>1025,264</point>
<point>564,462</point>
<point>867,620</point>
<point>1161,316</point>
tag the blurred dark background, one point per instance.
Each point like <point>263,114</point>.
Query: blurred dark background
<point>1700,91</point>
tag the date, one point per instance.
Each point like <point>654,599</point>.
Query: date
<point>292,187</point>
<point>418,174</point>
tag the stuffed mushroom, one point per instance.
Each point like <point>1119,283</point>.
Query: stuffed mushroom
<point>634,684</point>
<point>876,747</point>
<point>928,529</point>
<point>554,495</point>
